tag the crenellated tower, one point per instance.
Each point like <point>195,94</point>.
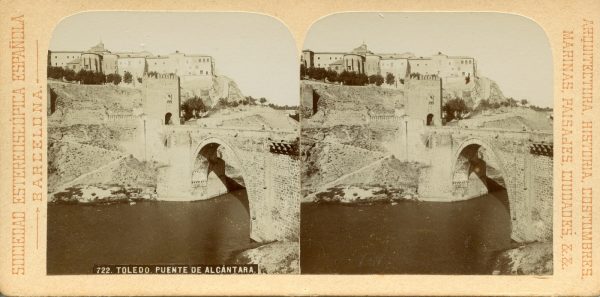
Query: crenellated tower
<point>161,98</point>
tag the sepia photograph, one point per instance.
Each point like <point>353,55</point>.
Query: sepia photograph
<point>426,145</point>
<point>173,141</point>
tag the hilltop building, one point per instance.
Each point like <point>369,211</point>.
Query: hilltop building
<point>99,59</point>
<point>362,60</point>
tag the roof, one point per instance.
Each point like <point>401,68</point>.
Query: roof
<point>330,53</point>
<point>197,55</point>
<point>98,48</point>
<point>362,50</point>
<point>143,54</point>
<point>460,57</point>
<point>51,51</point>
<point>397,56</point>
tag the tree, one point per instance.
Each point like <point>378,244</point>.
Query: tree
<point>193,106</point>
<point>317,73</point>
<point>88,77</point>
<point>390,79</point>
<point>251,100</point>
<point>484,104</point>
<point>114,78</point>
<point>524,102</point>
<point>127,77</point>
<point>455,109</point>
<point>331,75</point>
<point>376,79</point>
<point>262,100</point>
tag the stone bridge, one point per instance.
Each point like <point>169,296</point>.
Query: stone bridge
<point>199,163</point>
<point>463,163</point>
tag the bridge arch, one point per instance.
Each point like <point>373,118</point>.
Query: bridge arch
<point>207,148</point>
<point>475,155</point>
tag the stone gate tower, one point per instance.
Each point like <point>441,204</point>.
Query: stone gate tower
<point>161,98</point>
<point>424,99</point>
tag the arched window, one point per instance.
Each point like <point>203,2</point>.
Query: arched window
<point>168,118</point>
<point>430,119</point>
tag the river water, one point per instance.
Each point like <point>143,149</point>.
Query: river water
<point>199,232</point>
<point>407,238</point>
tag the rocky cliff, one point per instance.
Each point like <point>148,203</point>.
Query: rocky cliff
<point>91,137</point>
<point>211,89</point>
<point>477,89</point>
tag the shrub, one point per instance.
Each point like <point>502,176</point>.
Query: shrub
<point>376,79</point>
<point>390,79</point>
<point>192,106</point>
<point>127,77</point>
<point>114,78</point>
<point>455,109</point>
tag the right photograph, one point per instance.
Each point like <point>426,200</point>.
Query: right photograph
<point>426,145</point>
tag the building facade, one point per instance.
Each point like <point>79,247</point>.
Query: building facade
<point>362,60</point>
<point>99,59</point>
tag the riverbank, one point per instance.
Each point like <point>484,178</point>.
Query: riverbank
<point>273,258</point>
<point>363,194</point>
<point>532,258</point>
<point>103,194</point>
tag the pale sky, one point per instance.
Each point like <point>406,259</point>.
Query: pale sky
<point>512,50</point>
<point>256,51</point>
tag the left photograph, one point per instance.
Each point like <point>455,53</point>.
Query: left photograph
<point>173,144</point>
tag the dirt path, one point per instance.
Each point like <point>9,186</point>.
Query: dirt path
<point>73,181</point>
<point>337,180</point>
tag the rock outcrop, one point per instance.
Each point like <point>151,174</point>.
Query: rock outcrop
<point>211,89</point>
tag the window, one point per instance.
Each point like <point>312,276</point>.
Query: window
<point>329,58</point>
<point>318,58</point>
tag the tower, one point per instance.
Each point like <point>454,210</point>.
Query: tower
<point>161,98</point>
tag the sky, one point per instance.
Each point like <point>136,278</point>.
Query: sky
<point>512,50</point>
<point>256,51</point>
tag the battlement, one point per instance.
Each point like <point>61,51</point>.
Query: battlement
<point>425,77</point>
<point>162,76</point>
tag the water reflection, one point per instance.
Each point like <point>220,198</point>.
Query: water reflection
<point>202,232</point>
<point>407,238</point>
